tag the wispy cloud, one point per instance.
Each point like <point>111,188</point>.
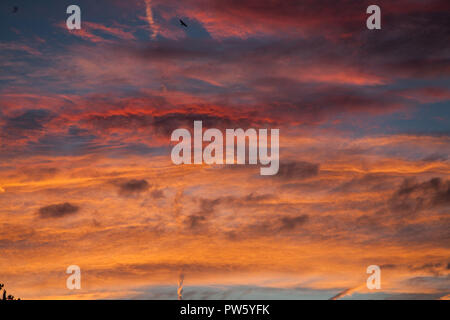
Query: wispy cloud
<point>150,19</point>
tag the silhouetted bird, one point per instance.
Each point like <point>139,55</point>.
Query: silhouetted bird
<point>183,24</point>
<point>15,9</point>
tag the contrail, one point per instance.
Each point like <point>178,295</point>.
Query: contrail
<point>180,287</point>
<point>151,22</point>
<point>346,292</point>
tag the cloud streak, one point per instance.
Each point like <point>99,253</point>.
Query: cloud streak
<point>150,19</point>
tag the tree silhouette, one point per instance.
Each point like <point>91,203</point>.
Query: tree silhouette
<point>6,297</point>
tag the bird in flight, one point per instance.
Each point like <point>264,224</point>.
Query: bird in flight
<point>183,24</point>
<point>15,9</point>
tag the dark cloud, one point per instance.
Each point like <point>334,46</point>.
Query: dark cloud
<point>390,218</point>
<point>195,221</point>
<point>37,173</point>
<point>369,182</point>
<point>157,194</point>
<point>435,157</point>
<point>271,225</point>
<point>410,198</point>
<point>30,120</point>
<point>297,170</point>
<point>434,233</point>
<point>64,145</point>
<point>58,210</point>
<point>125,121</point>
<point>256,97</point>
<point>133,186</point>
<point>392,54</point>
<point>207,207</point>
<point>432,267</point>
<point>292,223</point>
<point>165,124</point>
<point>283,97</point>
<point>388,266</point>
<point>430,282</point>
<point>413,197</point>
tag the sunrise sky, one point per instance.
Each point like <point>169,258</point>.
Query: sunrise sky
<point>85,171</point>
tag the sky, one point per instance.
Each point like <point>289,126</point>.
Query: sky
<point>86,176</point>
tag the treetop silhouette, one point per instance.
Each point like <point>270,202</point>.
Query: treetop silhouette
<point>5,296</point>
